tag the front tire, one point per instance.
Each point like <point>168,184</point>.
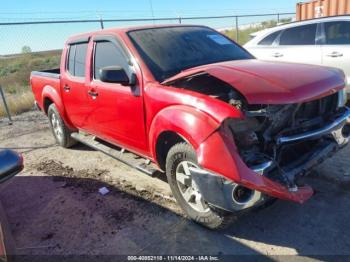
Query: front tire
<point>60,131</point>
<point>180,157</point>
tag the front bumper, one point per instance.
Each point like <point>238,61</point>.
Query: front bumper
<point>327,129</point>
<point>220,155</point>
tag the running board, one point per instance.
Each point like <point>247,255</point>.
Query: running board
<point>121,155</point>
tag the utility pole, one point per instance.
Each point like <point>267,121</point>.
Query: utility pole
<point>101,20</point>
<point>152,12</point>
<point>101,23</point>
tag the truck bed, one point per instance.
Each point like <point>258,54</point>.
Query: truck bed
<point>54,73</point>
<point>43,81</point>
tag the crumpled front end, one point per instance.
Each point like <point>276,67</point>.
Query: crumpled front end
<point>266,153</point>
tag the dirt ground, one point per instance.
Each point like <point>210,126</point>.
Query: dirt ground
<point>54,207</point>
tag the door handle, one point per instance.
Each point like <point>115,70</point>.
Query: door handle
<point>93,94</point>
<point>66,88</point>
<point>335,54</point>
<point>277,55</point>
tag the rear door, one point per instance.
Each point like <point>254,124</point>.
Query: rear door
<point>299,45</point>
<point>73,84</point>
<point>117,110</point>
<point>336,48</point>
<point>265,48</point>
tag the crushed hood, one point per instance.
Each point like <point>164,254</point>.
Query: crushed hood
<point>263,82</point>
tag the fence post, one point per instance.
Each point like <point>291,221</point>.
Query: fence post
<point>237,28</point>
<point>101,23</point>
<point>278,18</point>
<point>180,20</point>
<point>5,105</point>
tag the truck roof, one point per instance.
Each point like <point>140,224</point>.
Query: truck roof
<point>123,30</point>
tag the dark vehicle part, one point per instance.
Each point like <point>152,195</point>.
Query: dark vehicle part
<point>312,134</point>
<point>11,163</point>
<point>115,74</point>
<point>290,139</point>
<point>224,194</point>
<point>207,216</point>
<point>208,85</point>
<point>116,153</point>
<point>53,73</point>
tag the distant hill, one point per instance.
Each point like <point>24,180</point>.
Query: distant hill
<point>41,53</point>
<point>15,72</point>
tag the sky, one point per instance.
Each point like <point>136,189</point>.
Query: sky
<point>45,37</point>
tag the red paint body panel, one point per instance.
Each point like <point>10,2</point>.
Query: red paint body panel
<point>49,88</point>
<point>135,122</point>
<point>263,82</point>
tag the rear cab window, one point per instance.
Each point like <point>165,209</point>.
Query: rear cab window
<point>77,59</point>
<point>300,35</point>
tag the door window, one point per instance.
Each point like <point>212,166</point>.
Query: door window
<point>268,40</point>
<point>70,65</point>
<point>108,54</point>
<point>337,33</point>
<point>301,35</point>
<point>77,59</point>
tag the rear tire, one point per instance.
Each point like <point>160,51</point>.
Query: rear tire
<point>60,131</point>
<point>188,196</point>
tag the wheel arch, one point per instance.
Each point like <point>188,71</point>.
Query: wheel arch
<point>165,141</point>
<point>47,101</point>
<point>51,96</point>
<point>178,124</point>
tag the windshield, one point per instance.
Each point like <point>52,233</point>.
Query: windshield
<point>169,50</point>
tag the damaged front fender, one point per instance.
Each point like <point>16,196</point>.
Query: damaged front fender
<point>219,154</point>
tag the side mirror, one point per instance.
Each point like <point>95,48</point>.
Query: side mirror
<point>116,74</point>
<point>11,163</point>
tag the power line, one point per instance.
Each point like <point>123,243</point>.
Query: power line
<point>137,11</point>
<point>127,19</point>
<point>141,19</point>
<point>151,6</point>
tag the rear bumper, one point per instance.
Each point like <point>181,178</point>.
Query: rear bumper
<point>220,155</point>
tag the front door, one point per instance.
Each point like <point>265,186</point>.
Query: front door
<point>117,113</point>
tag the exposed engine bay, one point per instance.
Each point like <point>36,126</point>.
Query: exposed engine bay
<point>273,136</point>
<point>208,85</point>
<point>260,137</point>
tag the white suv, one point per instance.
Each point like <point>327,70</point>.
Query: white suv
<point>323,41</point>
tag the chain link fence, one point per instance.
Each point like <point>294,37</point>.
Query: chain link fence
<point>36,45</point>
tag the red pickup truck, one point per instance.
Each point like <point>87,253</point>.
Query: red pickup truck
<point>230,132</point>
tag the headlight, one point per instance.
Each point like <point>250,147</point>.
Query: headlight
<point>342,98</point>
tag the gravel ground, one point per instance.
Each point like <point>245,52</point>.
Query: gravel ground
<point>54,207</point>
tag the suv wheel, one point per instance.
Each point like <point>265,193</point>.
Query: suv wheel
<point>179,159</point>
